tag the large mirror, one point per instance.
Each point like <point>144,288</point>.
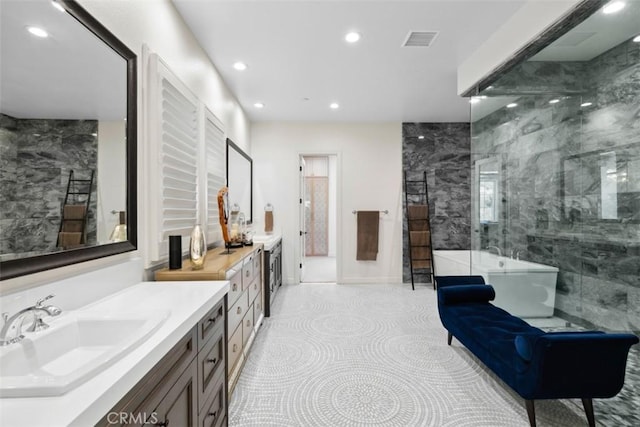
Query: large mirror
<point>240,179</point>
<point>67,138</point>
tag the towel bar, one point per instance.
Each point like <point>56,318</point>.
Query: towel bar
<point>386,212</point>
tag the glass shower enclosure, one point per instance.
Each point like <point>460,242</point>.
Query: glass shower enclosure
<point>555,146</point>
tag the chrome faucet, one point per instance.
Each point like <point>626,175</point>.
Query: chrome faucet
<point>496,248</point>
<point>515,254</point>
<point>15,323</point>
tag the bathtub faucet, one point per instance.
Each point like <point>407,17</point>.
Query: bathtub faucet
<point>515,254</point>
<point>496,248</point>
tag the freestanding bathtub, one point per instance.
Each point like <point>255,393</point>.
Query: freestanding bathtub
<point>523,288</point>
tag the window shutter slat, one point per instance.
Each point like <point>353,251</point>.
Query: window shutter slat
<point>179,162</point>
<point>215,161</point>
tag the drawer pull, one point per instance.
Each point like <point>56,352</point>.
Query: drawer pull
<point>234,288</point>
<point>248,273</point>
<point>255,286</point>
<point>235,348</point>
<point>212,414</point>
<point>213,319</point>
<point>248,323</point>
<point>214,360</point>
<point>239,311</point>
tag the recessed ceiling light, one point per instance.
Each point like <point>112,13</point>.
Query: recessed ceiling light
<point>554,101</point>
<point>637,38</point>
<point>258,105</point>
<point>352,37</point>
<point>512,105</point>
<point>57,5</point>
<point>586,104</point>
<point>334,105</point>
<point>240,66</point>
<point>38,32</point>
<point>421,137</point>
<point>613,7</point>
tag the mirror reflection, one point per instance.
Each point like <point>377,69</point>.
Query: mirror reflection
<point>63,144</point>
<point>488,189</point>
<point>239,180</point>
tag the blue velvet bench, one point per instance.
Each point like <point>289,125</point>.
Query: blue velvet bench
<point>534,363</point>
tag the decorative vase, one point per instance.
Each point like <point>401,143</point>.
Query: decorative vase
<point>197,248</point>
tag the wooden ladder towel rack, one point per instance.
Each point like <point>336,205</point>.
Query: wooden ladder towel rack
<point>416,197</point>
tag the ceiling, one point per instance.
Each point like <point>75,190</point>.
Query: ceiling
<point>594,36</point>
<point>69,75</point>
<point>298,61</point>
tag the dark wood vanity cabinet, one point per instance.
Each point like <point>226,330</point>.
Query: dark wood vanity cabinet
<point>272,275</point>
<point>187,388</point>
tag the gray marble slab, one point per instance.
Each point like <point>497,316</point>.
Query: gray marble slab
<point>35,158</point>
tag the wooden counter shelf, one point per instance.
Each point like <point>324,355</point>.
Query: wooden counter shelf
<point>216,265</point>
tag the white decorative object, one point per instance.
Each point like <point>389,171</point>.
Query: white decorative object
<point>197,247</point>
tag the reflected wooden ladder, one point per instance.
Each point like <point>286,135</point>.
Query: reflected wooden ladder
<point>75,211</point>
<point>416,197</point>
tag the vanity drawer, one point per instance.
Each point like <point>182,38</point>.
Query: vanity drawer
<point>257,308</point>
<point>210,367</point>
<point>237,312</point>
<point>235,287</point>
<point>211,324</point>
<point>247,271</point>
<point>213,413</point>
<point>257,263</point>
<point>234,349</point>
<point>254,290</point>
<point>154,386</point>
<point>247,326</point>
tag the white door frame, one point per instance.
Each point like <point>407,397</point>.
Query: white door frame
<point>299,251</point>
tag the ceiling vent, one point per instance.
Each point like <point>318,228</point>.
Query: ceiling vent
<point>420,39</point>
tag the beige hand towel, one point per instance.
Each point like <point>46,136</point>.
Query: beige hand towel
<point>268,221</point>
<point>368,224</point>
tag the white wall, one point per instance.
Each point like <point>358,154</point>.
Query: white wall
<point>157,24</point>
<point>369,171</point>
<point>523,27</point>
<point>333,194</point>
<point>112,169</point>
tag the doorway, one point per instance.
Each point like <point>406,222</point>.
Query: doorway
<point>318,218</point>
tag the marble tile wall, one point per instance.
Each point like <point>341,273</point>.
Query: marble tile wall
<point>557,181</point>
<point>444,155</point>
<point>35,157</point>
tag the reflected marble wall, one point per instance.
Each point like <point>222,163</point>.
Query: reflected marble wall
<point>557,160</point>
<point>444,154</point>
<point>36,156</point>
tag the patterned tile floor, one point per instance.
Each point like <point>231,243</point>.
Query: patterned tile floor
<point>376,355</point>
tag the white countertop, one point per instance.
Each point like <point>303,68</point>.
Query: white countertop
<point>268,240</point>
<point>89,402</point>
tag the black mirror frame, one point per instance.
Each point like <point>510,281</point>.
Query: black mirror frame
<point>232,145</point>
<point>21,267</point>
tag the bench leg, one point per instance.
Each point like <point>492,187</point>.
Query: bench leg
<point>449,336</point>
<point>531,412</point>
<point>588,408</point>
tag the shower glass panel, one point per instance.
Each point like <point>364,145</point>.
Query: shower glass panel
<point>555,144</point>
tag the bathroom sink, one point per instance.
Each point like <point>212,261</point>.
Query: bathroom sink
<point>72,350</point>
